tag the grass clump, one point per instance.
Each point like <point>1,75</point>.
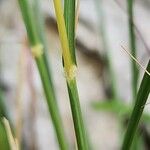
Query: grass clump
<point>67,20</point>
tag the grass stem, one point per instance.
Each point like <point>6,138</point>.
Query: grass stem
<point>132,38</point>
<point>107,56</point>
<point>66,27</point>
<point>141,99</point>
<point>3,109</point>
<point>41,31</point>
<point>37,48</point>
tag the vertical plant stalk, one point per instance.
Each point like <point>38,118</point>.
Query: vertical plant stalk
<point>70,22</point>
<point>13,142</point>
<point>67,37</point>
<point>3,110</point>
<point>101,22</point>
<point>135,72</point>
<point>4,143</point>
<point>21,72</point>
<point>41,31</point>
<point>141,99</point>
<point>37,49</point>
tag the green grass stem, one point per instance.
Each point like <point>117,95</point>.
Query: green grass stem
<point>42,35</point>
<point>134,69</point>
<point>4,144</point>
<point>69,15</point>
<point>141,99</point>
<point>37,48</point>
<point>102,28</point>
<point>3,110</point>
<point>66,28</point>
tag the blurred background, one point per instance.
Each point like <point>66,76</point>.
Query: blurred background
<point>103,24</point>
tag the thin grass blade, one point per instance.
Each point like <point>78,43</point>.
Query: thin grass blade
<point>37,48</point>
<point>107,53</point>
<point>132,38</point>
<point>66,29</point>
<point>70,20</point>
<point>141,99</point>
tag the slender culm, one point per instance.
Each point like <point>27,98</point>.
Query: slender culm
<point>107,53</point>
<point>66,27</point>
<point>69,15</point>
<point>3,110</point>
<point>141,99</point>
<point>132,42</point>
<point>37,49</point>
<point>4,144</point>
<point>41,31</point>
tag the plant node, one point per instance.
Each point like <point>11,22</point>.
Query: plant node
<point>71,74</point>
<point>37,50</point>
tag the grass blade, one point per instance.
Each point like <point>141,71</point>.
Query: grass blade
<point>70,16</point>
<point>37,48</point>
<point>13,142</point>
<point>41,31</point>
<point>70,22</point>
<point>107,56</point>
<point>132,38</point>
<point>82,139</point>
<point>4,144</point>
<point>66,29</point>
<point>141,99</point>
<point>3,110</point>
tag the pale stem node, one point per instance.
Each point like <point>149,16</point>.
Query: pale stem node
<point>37,50</point>
<point>71,74</point>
